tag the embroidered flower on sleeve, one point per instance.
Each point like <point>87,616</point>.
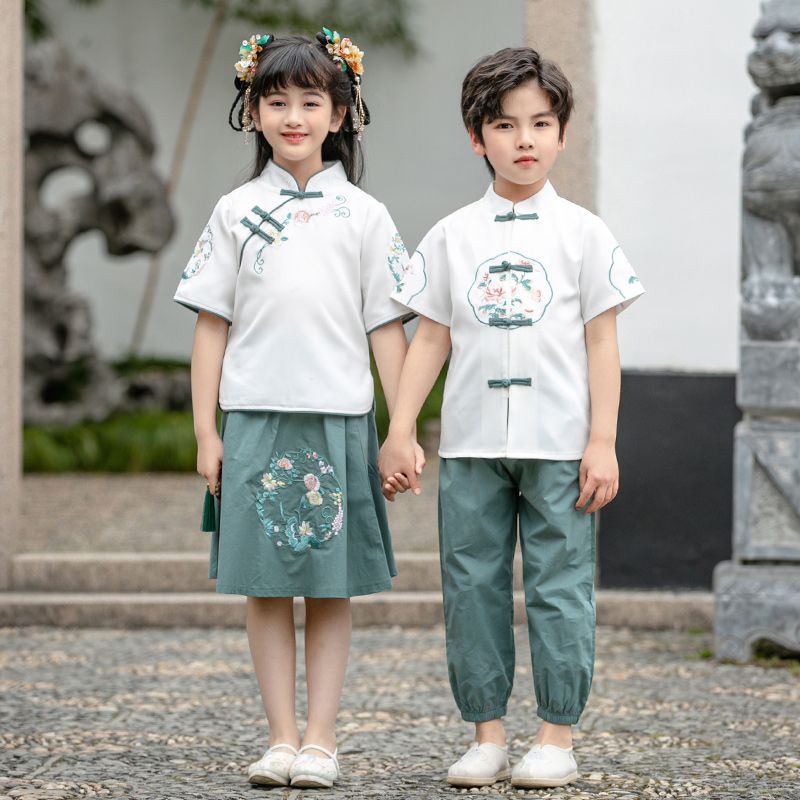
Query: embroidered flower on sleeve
<point>311,482</point>
<point>202,252</point>
<point>620,273</point>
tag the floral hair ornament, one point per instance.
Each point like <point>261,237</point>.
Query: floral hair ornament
<point>245,72</point>
<point>344,52</point>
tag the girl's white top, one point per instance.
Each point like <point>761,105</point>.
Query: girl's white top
<point>302,278</point>
<point>516,284</point>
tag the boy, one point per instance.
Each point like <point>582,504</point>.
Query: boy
<point>525,287</point>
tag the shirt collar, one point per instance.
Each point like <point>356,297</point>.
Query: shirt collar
<point>332,173</point>
<point>536,204</point>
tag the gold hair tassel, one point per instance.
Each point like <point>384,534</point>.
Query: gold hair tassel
<point>247,119</point>
<point>359,108</point>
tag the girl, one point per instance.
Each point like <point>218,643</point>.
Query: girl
<point>290,277</point>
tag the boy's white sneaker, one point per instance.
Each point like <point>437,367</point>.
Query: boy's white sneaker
<point>545,766</point>
<point>314,772</point>
<point>272,769</point>
<point>482,765</point>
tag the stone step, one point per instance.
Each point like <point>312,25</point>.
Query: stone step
<point>645,610</point>
<point>174,572</point>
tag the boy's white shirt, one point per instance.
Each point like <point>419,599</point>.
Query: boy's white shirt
<point>301,305</point>
<point>553,273</point>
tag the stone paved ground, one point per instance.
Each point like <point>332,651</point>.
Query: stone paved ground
<point>175,714</point>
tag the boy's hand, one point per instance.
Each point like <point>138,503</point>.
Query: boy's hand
<point>209,460</point>
<point>399,462</point>
<point>599,476</point>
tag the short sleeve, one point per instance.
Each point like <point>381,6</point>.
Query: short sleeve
<point>208,282</point>
<point>425,284</point>
<point>383,255</point>
<point>607,279</point>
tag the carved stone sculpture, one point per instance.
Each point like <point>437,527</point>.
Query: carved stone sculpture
<point>758,591</point>
<point>771,180</point>
<point>74,121</point>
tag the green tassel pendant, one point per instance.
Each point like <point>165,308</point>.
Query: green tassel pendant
<point>209,513</point>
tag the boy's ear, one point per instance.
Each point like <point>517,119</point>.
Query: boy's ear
<point>337,118</point>
<point>477,145</point>
<point>562,142</point>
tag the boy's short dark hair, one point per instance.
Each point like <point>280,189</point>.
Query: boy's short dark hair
<point>488,82</point>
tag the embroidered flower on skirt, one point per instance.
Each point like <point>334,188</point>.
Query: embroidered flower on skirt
<point>300,503</point>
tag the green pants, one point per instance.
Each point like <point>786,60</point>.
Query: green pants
<point>480,502</point>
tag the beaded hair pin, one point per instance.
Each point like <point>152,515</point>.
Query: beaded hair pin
<point>245,72</point>
<point>348,56</point>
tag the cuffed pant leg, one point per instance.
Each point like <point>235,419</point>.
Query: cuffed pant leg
<point>558,552</point>
<point>477,535</point>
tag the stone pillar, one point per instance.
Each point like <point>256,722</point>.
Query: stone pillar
<point>563,31</point>
<point>757,593</point>
<point>10,282</point>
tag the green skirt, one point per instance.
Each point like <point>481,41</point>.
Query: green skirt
<point>301,513</point>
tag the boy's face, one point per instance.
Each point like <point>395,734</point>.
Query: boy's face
<point>522,145</point>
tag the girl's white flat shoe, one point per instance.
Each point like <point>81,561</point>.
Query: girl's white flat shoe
<point>272,769</point>
<point>310,771</point>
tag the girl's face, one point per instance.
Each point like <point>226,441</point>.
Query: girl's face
<point>295,122</point>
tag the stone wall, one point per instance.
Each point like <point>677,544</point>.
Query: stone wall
<point>10,278</point>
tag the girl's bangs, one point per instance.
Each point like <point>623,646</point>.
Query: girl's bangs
<point>293,66</point>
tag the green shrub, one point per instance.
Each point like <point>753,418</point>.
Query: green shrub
<point>152,441</point>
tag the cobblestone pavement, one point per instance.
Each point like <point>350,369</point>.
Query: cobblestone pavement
<point>175,714</point>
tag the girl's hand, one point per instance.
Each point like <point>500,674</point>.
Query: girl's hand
<point>393,485</point>
<point>419,458</point>
<point>599,476</point>
<point>399,462</point>
<point>209,460</point>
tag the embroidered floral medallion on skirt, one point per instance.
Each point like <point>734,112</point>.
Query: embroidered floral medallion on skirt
<point>301,511</point>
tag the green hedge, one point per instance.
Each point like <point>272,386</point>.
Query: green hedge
<point>153,441</point>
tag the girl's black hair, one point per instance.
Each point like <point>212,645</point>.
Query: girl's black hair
<point>297,61</point>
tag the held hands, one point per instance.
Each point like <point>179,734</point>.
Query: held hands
<point>209,460</point>
<point>400,462</point>
<point>599,476</point>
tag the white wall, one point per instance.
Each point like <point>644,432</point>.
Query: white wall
<point>673,97</point>
<point>151,47</point>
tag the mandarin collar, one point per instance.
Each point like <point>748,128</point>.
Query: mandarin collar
<point>535,204</point>
<point>332,173</point>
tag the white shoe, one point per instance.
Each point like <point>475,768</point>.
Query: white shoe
<point>310,771</point>
<point>272,769</point>
<point>482,765</point>
<point>545,766</point>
